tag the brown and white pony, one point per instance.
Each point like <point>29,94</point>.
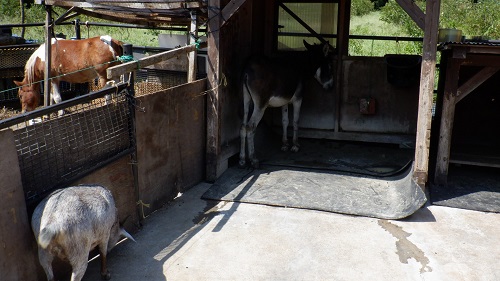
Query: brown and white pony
<point>73,61</point>
<point>277,83</point>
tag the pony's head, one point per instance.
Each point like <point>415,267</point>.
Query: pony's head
<point>29,95</point>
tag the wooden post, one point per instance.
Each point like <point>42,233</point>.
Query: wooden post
<point>447,117</point>
<point>48,55</point>
<point>17,244</point>
<point>193,37</point>
<point>421,167</point>
<point>342,51</point>
<point>78,32</point>
<point>213,116</point>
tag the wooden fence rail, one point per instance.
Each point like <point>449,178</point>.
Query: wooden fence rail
<point>127,67</point>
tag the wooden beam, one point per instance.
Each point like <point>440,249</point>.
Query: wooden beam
<point>413,11</point>
<point>474,82</point>
<point>48,55</point>
<point>213,91</point>
<point>127,67</point>
<point>447,118</point>
<point>426,92</point>
<point>305,25</point>
<point>230,9</point>
<point>193,37</point>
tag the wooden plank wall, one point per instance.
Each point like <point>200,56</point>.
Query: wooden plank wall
<point>170,142</point>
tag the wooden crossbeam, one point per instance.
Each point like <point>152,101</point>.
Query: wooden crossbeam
<point>230,9</point>
<point>413,11</point>
<point>127,67</point>
<point>474,82</point>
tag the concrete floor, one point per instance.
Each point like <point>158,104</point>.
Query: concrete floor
<point>193,239</point>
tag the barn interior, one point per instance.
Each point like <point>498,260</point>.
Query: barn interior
<point>373,107</point>
<point>380,143</point>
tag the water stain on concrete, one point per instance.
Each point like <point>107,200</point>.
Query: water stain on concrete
<point>406,250</point>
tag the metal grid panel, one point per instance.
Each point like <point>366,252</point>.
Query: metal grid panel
<point>150,81</point>
<point>54,150</point>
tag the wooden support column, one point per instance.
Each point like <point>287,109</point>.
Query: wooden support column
<point>447,117</point>
<point>213,105</point>
<point>421,167</point>
<point>48,55</point>
<point>193,37</point>
<point>342,51</point>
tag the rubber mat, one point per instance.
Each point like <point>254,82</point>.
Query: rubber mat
<point>393,197</point>
<point>471,188</point>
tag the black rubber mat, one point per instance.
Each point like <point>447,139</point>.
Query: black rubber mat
<point>469,187</point>
<point>392,197</point>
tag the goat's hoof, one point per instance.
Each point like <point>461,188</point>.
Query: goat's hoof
<point>242,163</point>
<point>106,276</point>
<point>284,147</point>
<point>295,148</point>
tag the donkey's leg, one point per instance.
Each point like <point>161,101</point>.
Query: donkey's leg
<point>243,129</point>
<point>56,95</point>
<point>251,127</point>
<point>284,122</point>
<point>296,114</point>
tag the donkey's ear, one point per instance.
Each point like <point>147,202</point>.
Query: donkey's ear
<point>326,48</point>
<point>307,45</point>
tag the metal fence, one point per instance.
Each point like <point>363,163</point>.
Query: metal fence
<point>54,150</point>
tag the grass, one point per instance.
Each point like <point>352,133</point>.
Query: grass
<point>137,37</point>
<point>370,24</point>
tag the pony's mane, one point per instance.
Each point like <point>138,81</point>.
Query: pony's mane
<point>29,69</point>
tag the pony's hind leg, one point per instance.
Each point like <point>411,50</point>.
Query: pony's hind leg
<point>284,122</point>
<point>56,95</point>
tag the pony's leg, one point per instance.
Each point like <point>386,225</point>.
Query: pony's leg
<point>56,95</point>
<point>296,114</point>
<point>251,127</point>
<point>284,122</point>
<point>243,129</point>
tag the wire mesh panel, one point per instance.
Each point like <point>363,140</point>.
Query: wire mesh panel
<point>54,150</point>
<point>148,80</point>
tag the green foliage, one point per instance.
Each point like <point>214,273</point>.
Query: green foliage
<point>393,14</point>
<point>474,19</point>
<point>361,7</point>
<point>10,12</point>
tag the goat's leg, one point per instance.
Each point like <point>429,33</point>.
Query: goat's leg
<point>296,114</point>
<point>251,127</point>
<point>243,129</point>
<point>103,250</point>
<point>79,266</point>
<point>45,259</point>
<point>284,122</point>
